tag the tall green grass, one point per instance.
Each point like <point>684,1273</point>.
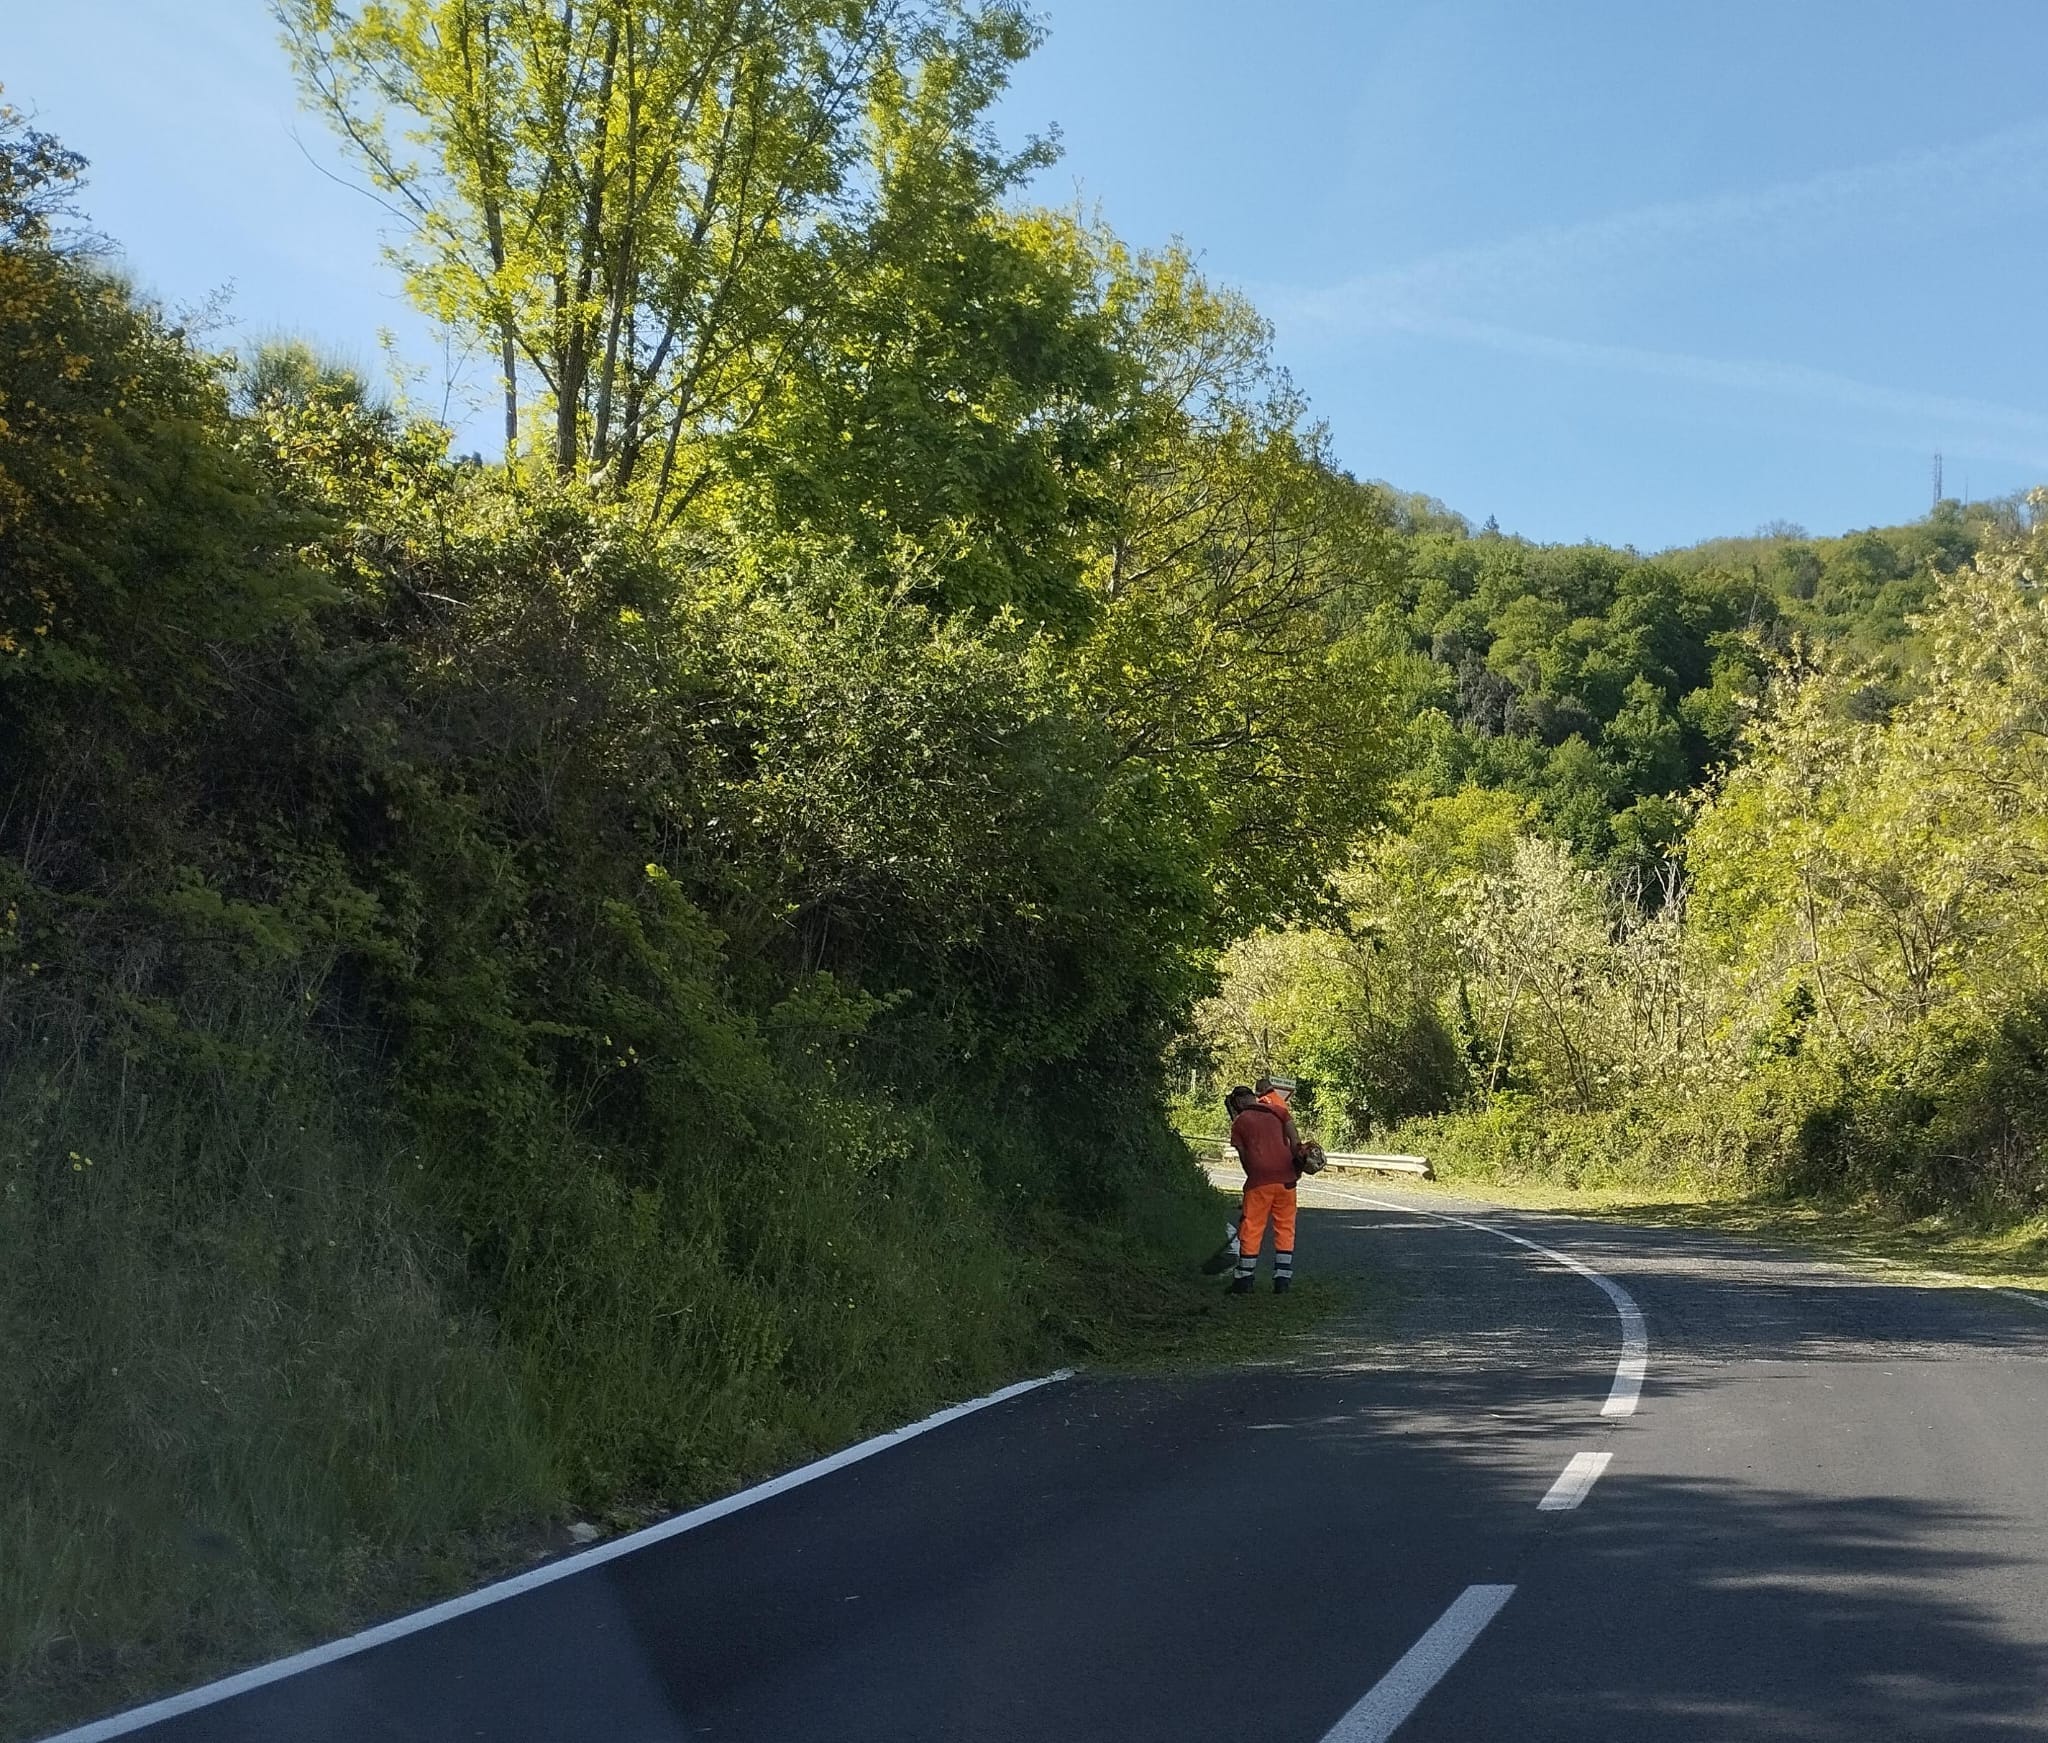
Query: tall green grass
<point>242,1405</point>
<point>260,1390</point>
<point>680,1335</point>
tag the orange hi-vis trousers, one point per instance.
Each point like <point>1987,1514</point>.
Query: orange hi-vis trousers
<point>1260,1202</point>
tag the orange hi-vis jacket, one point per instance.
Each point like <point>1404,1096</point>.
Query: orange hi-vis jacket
<point>1259,1136</point>
<point>1278,1103</point>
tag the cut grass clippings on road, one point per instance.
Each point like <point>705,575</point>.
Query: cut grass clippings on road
<point>1129,1317</point>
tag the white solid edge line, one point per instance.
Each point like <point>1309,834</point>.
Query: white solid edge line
<point>119,1724</point>
<point>2022,1295</point>
<point>1575,1482</point>
<point>1629,1372</point>
<point>1397,1694</point>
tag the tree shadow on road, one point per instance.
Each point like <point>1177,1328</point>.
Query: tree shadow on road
<point>1687,1598</point>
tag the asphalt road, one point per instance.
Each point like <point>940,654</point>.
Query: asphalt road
<point>1827,1518</point>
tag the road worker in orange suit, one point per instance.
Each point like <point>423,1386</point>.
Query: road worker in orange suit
<point>1263,1137</point>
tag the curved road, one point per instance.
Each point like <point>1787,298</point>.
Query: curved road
<point>1826,1518</point>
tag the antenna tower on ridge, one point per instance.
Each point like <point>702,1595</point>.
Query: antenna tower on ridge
<point>1937,479</point>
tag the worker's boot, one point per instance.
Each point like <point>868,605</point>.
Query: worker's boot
<point>1281,1285</point>
<point>1241,1284</point>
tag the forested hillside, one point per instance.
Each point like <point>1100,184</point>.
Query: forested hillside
<point>1719,868</point>
<point>1601,685</point>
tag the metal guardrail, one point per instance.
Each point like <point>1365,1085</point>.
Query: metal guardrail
<point>1382,1163</point>
<point>1387,1164</point>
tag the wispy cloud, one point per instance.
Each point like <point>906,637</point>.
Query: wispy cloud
<point>1998,173</point>
<point>1974,426</point>
<point>1462,294</point>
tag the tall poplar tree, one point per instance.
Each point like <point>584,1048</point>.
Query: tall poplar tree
<point>625,195</point>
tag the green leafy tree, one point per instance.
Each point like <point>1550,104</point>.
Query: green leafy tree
<point>626,195</point>
<point>958,392</point>
<point>1647,744</point>
<point>1245,728</point>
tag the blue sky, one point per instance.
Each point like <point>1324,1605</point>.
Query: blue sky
<point>1638,271</point>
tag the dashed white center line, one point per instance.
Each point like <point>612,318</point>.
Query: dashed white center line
<point>1575,1483</point>
<point>1421,1667</point>
<point>1397,1694</point>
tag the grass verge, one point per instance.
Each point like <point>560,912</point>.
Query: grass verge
<point>1940,1248</point>
<point>1137,1302</point>
<point>1719,1170</point>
